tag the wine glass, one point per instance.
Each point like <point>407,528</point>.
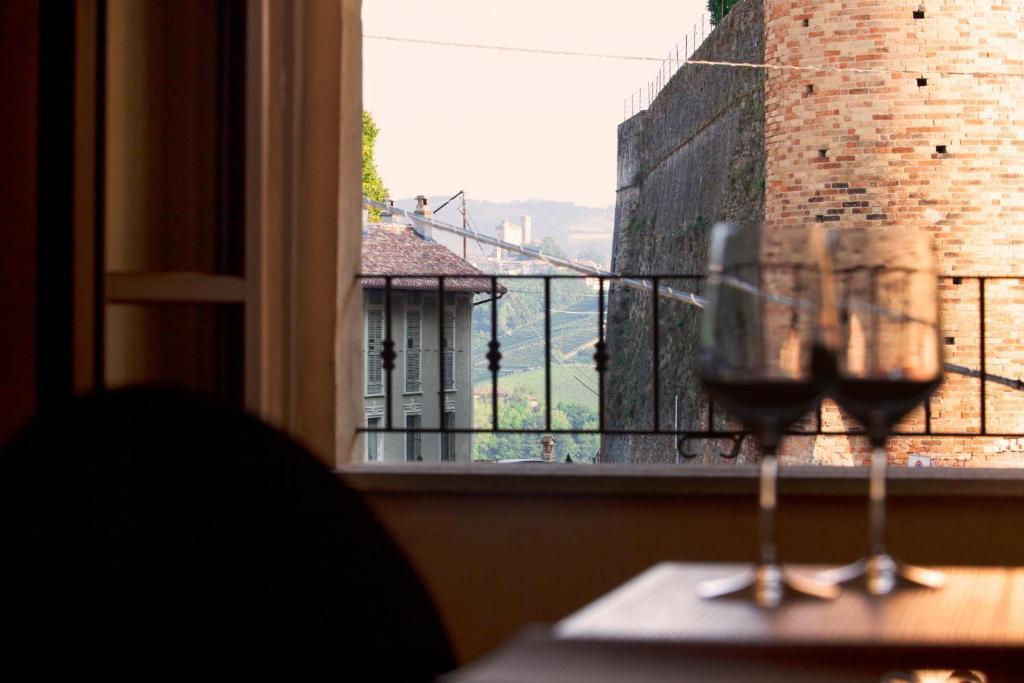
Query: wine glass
<point>762,357</point>
<point>889,362</point>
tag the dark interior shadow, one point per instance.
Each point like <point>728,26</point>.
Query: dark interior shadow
<point>149,522</point>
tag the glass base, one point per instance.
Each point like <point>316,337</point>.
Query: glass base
<point>768,585</point>
<point>882,574</point>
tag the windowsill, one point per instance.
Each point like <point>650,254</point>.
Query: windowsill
<point>673,480</point>
<point>412,393</point>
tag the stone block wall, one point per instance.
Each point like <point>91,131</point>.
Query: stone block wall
<point>696,156</point>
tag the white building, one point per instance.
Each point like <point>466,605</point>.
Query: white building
<point>426,340</point>
<point>518,234</point>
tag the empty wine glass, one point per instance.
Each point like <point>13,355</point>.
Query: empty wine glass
<point>889,362</point>
<point>762,356</point>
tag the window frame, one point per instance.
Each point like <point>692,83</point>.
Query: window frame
<point>609,479</point>
<point>447,452</point>
<point>415,437</point>
<point>374,439</point>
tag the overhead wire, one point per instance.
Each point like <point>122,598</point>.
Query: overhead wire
<point>703,62</point>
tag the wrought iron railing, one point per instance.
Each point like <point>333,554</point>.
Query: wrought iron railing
<point>490,286</point>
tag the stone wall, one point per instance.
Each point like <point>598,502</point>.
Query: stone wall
<point>695,157</point>
<point>911,145</point>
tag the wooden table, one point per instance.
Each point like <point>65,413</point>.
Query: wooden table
<point>655,628</point>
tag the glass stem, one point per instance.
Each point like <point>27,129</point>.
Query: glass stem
<point>767,503</point>
<point>879,464</point>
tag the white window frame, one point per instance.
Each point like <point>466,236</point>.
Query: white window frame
<point>374,438</point>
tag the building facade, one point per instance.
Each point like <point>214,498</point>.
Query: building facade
<point>431,381</point>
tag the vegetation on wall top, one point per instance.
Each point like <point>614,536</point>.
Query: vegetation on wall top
<point>719,8</point>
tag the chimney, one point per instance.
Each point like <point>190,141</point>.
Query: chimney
<point>422,209</point>
<point>547,448</point>
<point>527,228</point>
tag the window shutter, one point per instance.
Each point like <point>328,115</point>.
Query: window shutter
<point>413,442</point>
<point>448,439</point>
<point>413,342</point>
<point>374,346</point>
<point>449,349</point>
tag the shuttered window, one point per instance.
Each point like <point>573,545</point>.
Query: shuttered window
<point>413,440</point>
<point>449,349</point>
<point>448,439</point>
<point>374,344</point>
<point>413,346</point>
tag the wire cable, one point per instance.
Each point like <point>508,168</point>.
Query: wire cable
<point>701,62</point>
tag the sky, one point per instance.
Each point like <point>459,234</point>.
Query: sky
<point>510,126</point>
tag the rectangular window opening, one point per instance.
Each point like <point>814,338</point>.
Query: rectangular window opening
<point>413,439</point>
<point>447,438</point>
<point>373,439</point>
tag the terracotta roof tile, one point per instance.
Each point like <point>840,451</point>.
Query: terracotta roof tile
<point>392,249</point>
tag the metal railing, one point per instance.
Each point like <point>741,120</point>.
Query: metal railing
<point>674,60</point>
<point>490,286</point>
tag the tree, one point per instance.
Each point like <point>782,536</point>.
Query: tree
<point>549,245</point>
<point>373,186</point>
<point>719,8</point>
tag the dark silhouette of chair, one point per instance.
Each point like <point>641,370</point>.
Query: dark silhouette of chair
<point>149,522</point>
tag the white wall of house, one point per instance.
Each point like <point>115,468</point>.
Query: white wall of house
<point>419,402</point>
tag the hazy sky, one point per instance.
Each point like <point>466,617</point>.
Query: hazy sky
<point>509,126</point>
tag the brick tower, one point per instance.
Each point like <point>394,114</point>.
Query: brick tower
<point>912,142</point>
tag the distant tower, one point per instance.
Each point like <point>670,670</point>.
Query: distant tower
<point>501,232</point>
<point>527,229</point>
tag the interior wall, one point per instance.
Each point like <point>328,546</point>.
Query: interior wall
<point>496,562</point>
<point>19,34</point>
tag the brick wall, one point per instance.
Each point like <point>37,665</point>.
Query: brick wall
<point>917,147</point>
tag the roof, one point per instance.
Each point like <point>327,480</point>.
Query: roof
<point>393,249</point>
